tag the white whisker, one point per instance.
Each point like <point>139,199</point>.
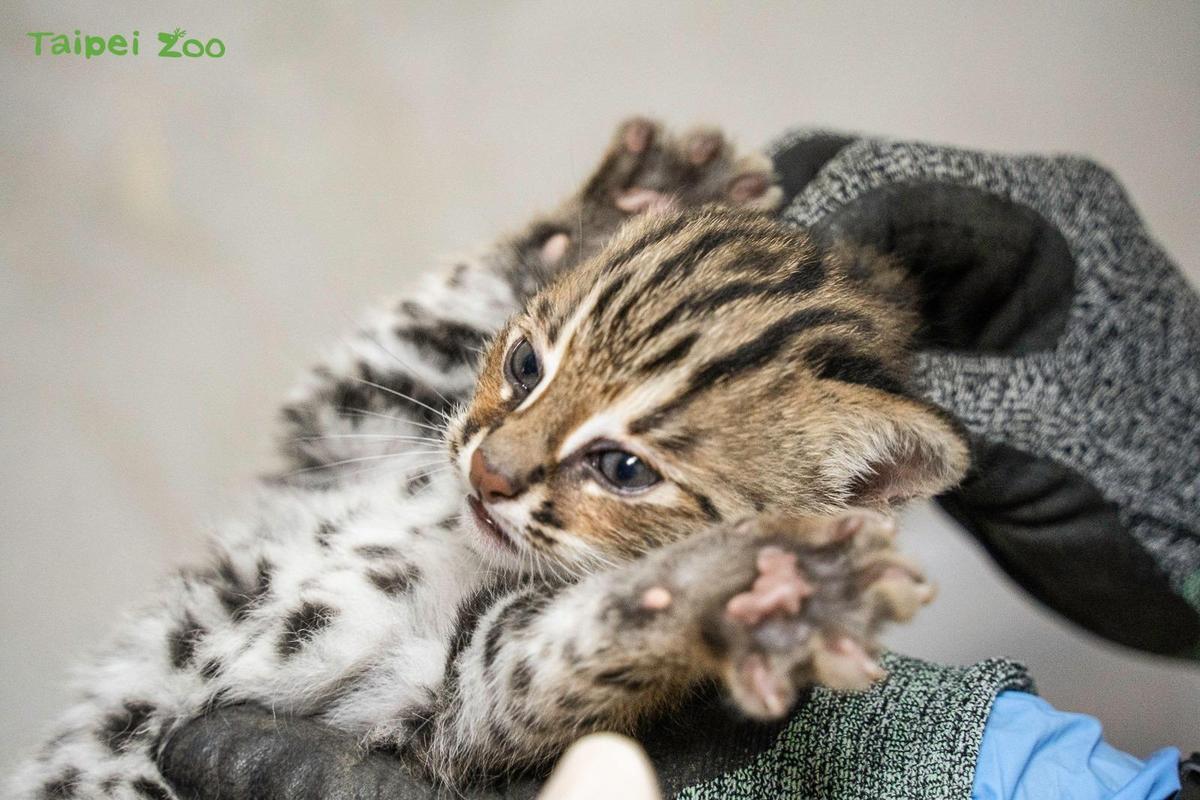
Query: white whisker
<point>332,464</point>
<point>389,418</point>
<point>387,436</point>
<point>402,396</point>
<point>407,367</point>
<point>392,456</point>
<point>401,472</point>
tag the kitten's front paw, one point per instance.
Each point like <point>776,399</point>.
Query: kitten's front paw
<point>647,169</point>
<point>821,591</point>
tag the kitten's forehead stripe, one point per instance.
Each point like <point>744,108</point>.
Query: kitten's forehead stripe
<point>606,296</point>
<point>752,355</point>
<point>542,308</point>
<point>611,419</point>
<point>552,329</point>
<point>804,279</point>
<point>673,254</point>
<point>838,360</point>
<point>671,356</point>
<point>648,239</point>
<point>680,265</point>
<point>759,351</point>
<point>678,442</point>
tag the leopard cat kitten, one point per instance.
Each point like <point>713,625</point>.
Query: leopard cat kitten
<point>650,441</point>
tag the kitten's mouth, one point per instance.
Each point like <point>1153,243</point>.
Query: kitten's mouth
<point>487,525</point>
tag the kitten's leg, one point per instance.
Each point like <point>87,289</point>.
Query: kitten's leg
<point>381,398</point>
<point>766,607</point>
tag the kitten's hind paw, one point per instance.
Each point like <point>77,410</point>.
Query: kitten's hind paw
<point>647,170</point>
<point>821,591</point>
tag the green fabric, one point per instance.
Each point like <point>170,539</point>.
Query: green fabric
<point>916,735</point>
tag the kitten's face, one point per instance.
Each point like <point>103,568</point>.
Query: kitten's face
<point>704,367</point>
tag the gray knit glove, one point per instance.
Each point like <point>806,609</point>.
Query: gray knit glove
<point>1068,345</point>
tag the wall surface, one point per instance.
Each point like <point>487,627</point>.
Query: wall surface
<point>177,238</point>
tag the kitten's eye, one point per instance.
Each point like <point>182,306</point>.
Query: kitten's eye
<point>524,368</point>
<point>624,470</point>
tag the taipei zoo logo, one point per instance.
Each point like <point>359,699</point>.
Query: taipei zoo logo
<point>171,45</point>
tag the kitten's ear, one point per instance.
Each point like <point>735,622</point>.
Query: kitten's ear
<point>882,448</point>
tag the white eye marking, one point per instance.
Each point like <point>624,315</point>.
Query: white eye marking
<point>468,450</point>
<point>663,493</point>
<point>613,421</point>
<point>552,357</point>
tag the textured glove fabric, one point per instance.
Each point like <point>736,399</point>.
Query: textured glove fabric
<point>1065,341</point>
<point>916,736</point>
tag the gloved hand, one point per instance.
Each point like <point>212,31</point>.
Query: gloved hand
<point>1062,337</point>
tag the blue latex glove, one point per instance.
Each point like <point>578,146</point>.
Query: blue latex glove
<point>1031,751</point>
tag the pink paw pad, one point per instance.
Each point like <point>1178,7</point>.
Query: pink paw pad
<point>779,588</point>
<point>748,187</point>
<point>656,598</point>
<point>703,147</point>
<point>638,200</point>
<point>554,248</point>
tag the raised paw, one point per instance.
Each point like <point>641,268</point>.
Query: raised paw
<point>647,170</point>
<point>821,589</point>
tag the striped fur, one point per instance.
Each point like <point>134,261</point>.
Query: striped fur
<point>736,357</point>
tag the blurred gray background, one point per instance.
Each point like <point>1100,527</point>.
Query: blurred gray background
<point>179,237</point>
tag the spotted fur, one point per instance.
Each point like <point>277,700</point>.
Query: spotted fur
<point>745,363</point>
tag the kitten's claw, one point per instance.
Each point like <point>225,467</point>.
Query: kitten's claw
<point>762,691</point>
<point>844,664</point>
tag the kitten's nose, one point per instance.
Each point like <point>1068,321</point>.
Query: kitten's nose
<point>490,484</point>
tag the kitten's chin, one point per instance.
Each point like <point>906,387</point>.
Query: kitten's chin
<point>488,539</point>
<point>487,527</point>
